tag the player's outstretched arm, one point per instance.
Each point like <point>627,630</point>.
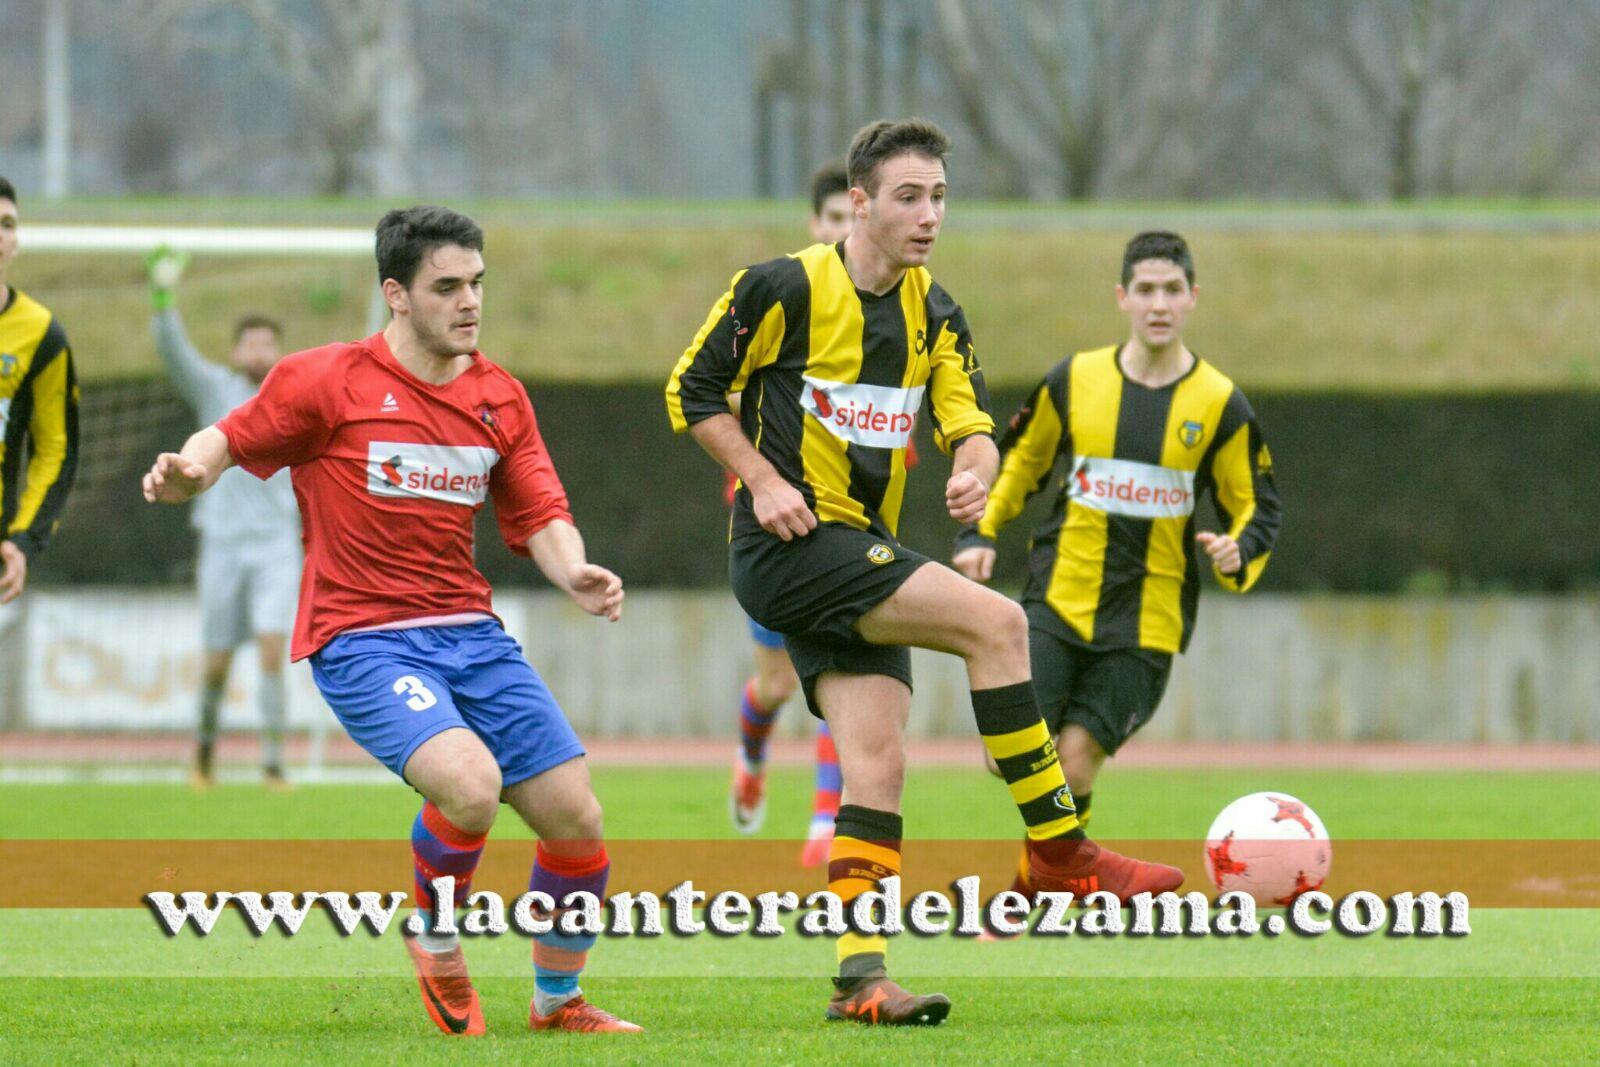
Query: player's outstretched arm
<point>178,477</point>
<point>779,507</point>
<point>558,550</point>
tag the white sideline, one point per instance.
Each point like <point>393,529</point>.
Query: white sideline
<point>238,240</point>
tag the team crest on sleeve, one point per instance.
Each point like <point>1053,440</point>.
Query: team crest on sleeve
<point>1191,433</point>
<point>8,364</point>
<point>880,553</point>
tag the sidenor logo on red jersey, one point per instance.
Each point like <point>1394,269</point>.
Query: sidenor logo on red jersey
<point>454,474</point>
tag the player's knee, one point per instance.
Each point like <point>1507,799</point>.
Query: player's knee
<point>777,684</point>
<point>577,818</point>
<point>1001,627</point>
<point>473,800</point>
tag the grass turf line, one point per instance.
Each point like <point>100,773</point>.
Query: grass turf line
<point>779,1021</point>
<point>944,802</point>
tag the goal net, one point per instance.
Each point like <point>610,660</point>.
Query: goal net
<point>100,660</point>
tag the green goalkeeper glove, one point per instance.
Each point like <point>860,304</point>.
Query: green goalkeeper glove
<point>165,266</point>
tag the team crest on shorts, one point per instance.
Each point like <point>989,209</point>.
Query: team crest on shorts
<point>1190,433</point>
<point>880,553</point>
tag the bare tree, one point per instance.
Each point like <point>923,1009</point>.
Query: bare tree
<point>351,66</point>
<point>966,72</point>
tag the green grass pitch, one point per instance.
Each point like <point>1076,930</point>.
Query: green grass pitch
<point>105,986</point>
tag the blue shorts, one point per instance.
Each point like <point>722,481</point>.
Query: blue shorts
<point>394,689</point>
<point>762,636</point>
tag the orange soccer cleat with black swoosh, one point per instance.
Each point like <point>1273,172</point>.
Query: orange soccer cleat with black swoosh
<point>447,992</point>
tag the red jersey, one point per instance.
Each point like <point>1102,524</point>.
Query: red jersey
<point>389,471</point>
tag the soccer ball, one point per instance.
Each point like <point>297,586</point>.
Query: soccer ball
<point>1271,846</point>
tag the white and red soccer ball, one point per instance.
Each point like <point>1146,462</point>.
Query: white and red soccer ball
<point>1269,845</point>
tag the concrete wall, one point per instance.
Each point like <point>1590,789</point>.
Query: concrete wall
<point>1291,668</point>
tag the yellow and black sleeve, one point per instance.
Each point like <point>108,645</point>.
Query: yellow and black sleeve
<point>743,333</point>
<point>1245,491</point>
<point>958,399</point>
<point>45,411</point>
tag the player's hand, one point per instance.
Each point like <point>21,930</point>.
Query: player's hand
<point>966,497</point>
<point>173,479</point>
<point>781,510</point>
<point>596,590</point>
<point>1223,550</point>
<point>15,575</point>
<point>976,563</point>
<point>165,266</point>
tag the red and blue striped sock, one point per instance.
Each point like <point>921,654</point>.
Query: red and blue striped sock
<point>830,783</point>
<point>439,848</point>
<point>558,958</point>
<point>755,726</point>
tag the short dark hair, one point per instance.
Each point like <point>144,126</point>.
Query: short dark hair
<point>885,139</point>
<point>1157,244</point>
<point>7,190</point>
<point>830,179</point>
<point>256,322</point>
<point>405,235</point>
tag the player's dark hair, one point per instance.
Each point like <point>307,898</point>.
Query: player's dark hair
<point>886,139</point>
<point>7,190</point>
<point>256,322</point>
<point>405,235</point>
<point>1157,244</point>
<point>829,180</point>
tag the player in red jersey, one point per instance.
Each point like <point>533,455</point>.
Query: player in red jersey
<point>393,444</point>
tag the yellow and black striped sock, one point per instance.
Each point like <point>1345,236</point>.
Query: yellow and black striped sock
<point>1015,735</point>
<point>865,849</point>
<point>1023,882</point>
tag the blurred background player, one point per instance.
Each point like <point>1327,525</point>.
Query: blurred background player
<point>249,568</point>
<point>1138,432</point>
<point>774,680</point>
<point>38,417</point>
<point>395,442</point>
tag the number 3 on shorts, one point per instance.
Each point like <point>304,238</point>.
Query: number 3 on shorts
<point>418,696</point>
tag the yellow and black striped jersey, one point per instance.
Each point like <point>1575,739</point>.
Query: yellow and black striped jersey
<point>39,410</point>
<point>1115,560</point>
<point>832,380</point>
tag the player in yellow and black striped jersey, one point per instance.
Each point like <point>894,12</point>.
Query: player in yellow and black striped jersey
<point>1127,438</point>
<point>835,349</point>
<point>38,417</point>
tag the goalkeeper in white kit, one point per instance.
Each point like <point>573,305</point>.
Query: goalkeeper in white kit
<point>249,570</point>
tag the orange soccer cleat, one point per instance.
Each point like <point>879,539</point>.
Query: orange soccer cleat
<point>880,1002</point>
<point>747,799</point>
<point>1092,869</point>
<point>447,992</point>
<point>581,1017</point>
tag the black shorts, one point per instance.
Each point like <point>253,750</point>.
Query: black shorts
<point>1110,693</point>
<point>813,589</point>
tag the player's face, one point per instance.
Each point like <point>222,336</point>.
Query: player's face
<point>1157,300</point>
<point>257,351</point>
<point>446,300</point>
<point>903,218</point>
<point>832,224</point>
<point>8,234</point>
